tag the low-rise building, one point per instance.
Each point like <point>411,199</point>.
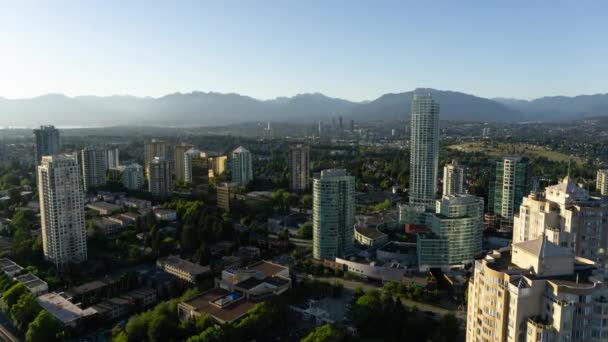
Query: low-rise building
<point>400,252</point>
<point>9,267</point>
<point>372,270</point>
<point>163,214</point>
<point>104,208</point>
<point>136,203</point>
<point>34,284</point>
<point>66,312</point>
<point>182,269</point>
<point>108,225</point>
<point>370,237</point>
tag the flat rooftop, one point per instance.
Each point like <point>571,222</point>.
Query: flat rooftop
<point>268,268</point>
<point>103,206</point>
<point>184,265</point>
<point>64,310</point>
<point>204,303</point>
<point>370,233</point>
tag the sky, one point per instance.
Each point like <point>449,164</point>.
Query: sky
<point>357,50</point>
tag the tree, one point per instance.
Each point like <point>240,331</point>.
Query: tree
<point>44,328</point>
<point>161,328</point>
<point>305,231</point>
<point>12,295</point>
<point>24,311</point>
<point>325,333</point>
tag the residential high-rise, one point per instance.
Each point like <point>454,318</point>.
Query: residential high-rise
<point>113,157</point>
<point>225,195</point>
<point>568,216</point>
<point>509,183</point>
<point>456,236</point>
<point>196,168</point>
<point>179,150</point>
<point>47,142</point>
<point>154,148</point>
<point>453,179</point>
<point>64,235</point>
<point>424,150</point>
<point>602,182</point>
<point>537,291</point>
<point>299,167</point>
<point>217,165</point>
<point>242,172</point>
<point>333,214</point>
<point>94,167</point>
<point>133,176</point>
<point>160,184</point>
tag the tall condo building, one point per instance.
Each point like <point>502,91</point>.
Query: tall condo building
<point>509,183</point>
<point>64,235</point>
<point>113,157</point>
<point>94,167</point>
<point>196,168</point>
<point>133,177</point>
<point>217,165</point>
<point>179,150</point>
<point>47,142</point>
<point>333,214</point>
<point>424,150</point>
<point>456,236</point>
<point>602,182</point>
<point>160,184</point>
<point>566,215</point>
<point>299,167</point>
<point>242,172</point>
<point>154,148</point>
<point>225,195</point>
<point>537,291</point>
<point>453,179</point>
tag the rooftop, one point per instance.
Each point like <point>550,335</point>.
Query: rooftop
<point>103,206</point>
<point>211,304</point>
<point>64,310</point>
<point>184,265</point>
<point>268,268</point>
<point>371,233</point>
<point>541,248</point>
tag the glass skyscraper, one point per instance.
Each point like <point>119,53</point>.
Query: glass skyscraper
<point>509,184</point>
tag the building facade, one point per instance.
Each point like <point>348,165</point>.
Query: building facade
<point>94,167</point>
<point>154,148</point>
<point>602,182</point>
<point>242,172</point>
<point>217,165</point>
<point>456,236</point>
<point>537,291</point>
<point>179,151</point>
<point>113,157</point>
<point>196,168</point>
<point>64,235</point>
<point>225,195</point>
<point>46,141</point>
<point>424,150</point>
<point>133,176</point>
<point>568,216</point>
<point>333,214</point>
<point>509,184</point>
<point>299,167</point>
<point>160,183</point>
<point>453,179</point>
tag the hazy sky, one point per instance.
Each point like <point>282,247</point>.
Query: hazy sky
<point>351,49</point>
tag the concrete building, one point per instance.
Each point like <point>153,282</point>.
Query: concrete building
<point>217,165</point>
<point>509,184</point>
<point>94,167</point>
<point>299,167</point>
<point>226,193</point>
<point>196,168</point>
<point>64,235</point>
<point>453,179</point>
<point>602,182</point>
<point>568,216</point>
<point>242,172</point>
<point>370,237</point>
<point>154,148</point>
<point>179,151</point>
<point>46,141</point>
<point>160,182</point>
<point>104,208</point>
<point>456,237</point>
<point>333,214</point>
<point>113,157</point>
<point>537,291</point>
<point>182,269</point>
<point>424,150</point>
<point>133,176</point>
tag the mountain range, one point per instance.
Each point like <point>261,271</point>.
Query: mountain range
<point>210,109</point>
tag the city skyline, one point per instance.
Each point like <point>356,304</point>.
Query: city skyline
<point>353,51</point>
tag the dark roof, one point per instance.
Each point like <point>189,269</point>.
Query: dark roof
<point>203,304</point>
<point>268,268</point>
<point>370,233</point>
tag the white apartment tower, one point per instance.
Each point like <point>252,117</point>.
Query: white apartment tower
<point>113,157</point>
<point>94,167</point>
<point>602,182</point>
<point>64,235</point>
<point>133,177</point>
<point>242,172</point>
<point>453,179</point>
<point>299,167</point>
<point>424,150</point>
<point>160,184</point>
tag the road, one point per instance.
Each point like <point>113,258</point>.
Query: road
<point>5,329</point>
<point>352,285</point>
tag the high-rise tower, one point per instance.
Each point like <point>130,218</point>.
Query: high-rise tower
<point>47,142</point>
<point>242,172</point>
<point>299,167</point>
<point>424,150</point>
<point>94,167</point>
<point>453,179</point>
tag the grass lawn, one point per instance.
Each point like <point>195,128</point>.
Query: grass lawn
<point>517,149</point>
